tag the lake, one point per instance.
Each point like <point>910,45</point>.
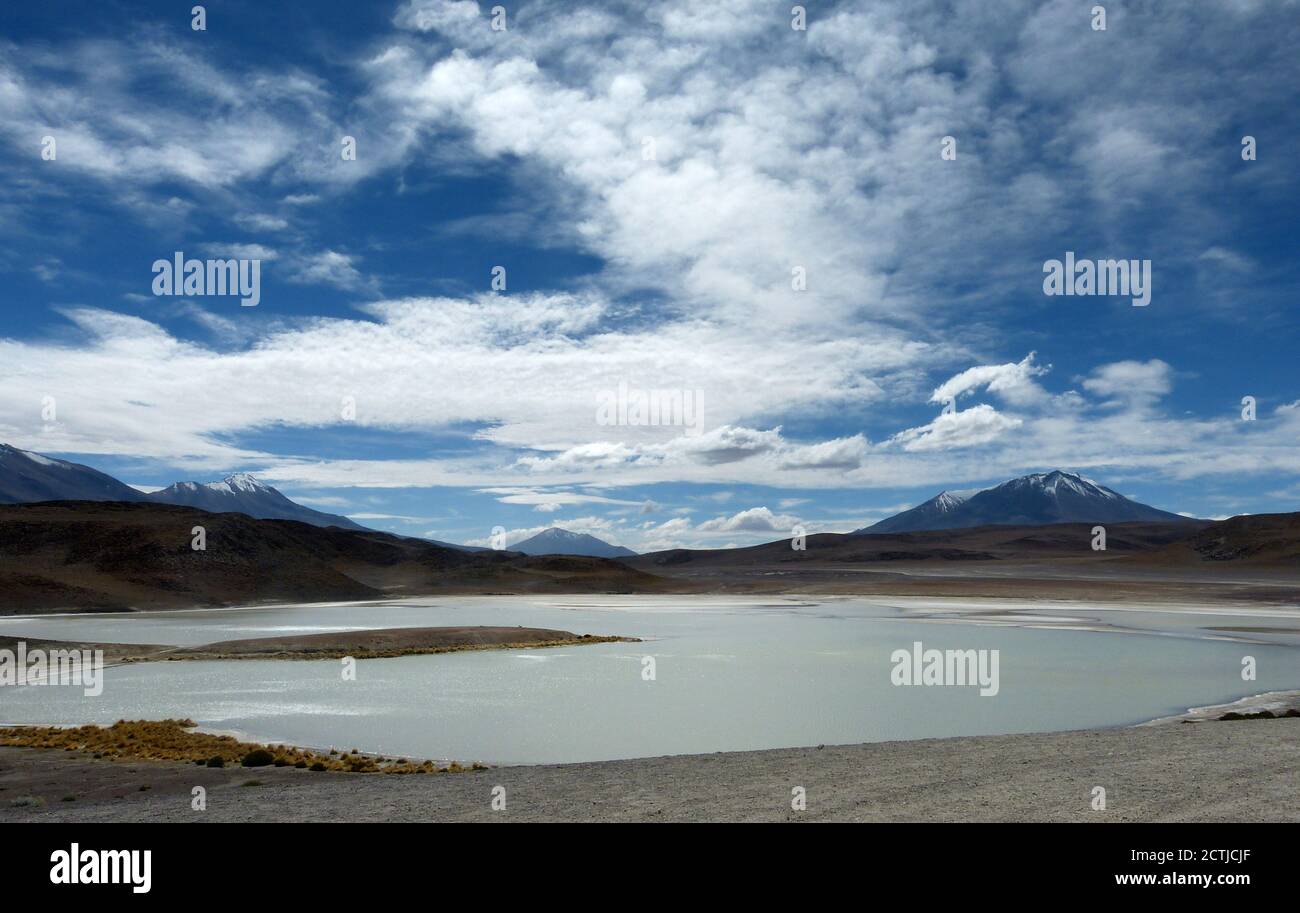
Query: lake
<point>730,674</point>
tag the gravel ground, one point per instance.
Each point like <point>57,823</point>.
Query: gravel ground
<point>1212,771</point>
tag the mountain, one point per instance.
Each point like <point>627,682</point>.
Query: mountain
<point>556,541</point>
<point>1032,500</point>
<point>26,477</point>
<point>243,494</point>
<point>118,556</point>
<point>933,514</point>
<point>456,546</point>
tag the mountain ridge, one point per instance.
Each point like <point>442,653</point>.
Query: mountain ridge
<point>245,494</point>
<point>1037,499</point>
<point>123,556</point>
<point>28,477</point>
<point>557,541</point>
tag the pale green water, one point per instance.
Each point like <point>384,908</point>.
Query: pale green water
<point>730,675</point>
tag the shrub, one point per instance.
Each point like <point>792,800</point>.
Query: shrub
<point>318,766</point>
<point>258,757</point>
<point>216,761</point>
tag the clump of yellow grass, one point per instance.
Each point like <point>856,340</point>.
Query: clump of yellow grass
<point>177,740</point>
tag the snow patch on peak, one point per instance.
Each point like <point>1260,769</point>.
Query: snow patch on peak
<point>39,459</point>
<point>1059,480</point>
<point>43,460</point>
<point>240,481</point>
<point>949,500</point>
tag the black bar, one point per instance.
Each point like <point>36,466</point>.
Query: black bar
<point>318,862</point>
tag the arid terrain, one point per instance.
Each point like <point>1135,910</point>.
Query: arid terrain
<point>1208,771</point>
<point>1245,559</point>
<point>114,556</point>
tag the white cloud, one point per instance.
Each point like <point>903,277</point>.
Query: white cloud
<point>239,251</point>
<point>1133,382</point>
<point>1013,382</point>
<point>953,430</point>
<point>328,267</point>
<point>548,501</point>
<point>755,519</point>
<point>841,453</point>
<point>1228,259</point>
<point>774,150</point>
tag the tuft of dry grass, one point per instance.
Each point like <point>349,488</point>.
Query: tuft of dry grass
<point>176,740</point>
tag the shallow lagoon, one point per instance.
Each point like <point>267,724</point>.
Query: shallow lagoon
<point>730,674</point>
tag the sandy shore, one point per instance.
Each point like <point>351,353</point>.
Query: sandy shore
<point>1210,771</point>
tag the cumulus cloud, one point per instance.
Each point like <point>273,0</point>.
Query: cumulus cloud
<point>841,453</point>
<point>756,519</point>
<point>329,267</point>
<point>1133,382</point>
<point>953,430</point>
<point>1014,382</point>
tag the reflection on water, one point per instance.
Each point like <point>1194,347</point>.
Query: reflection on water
<point>730,674</point>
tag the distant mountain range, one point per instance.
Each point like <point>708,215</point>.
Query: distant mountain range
<point>26,477</point>
<point>1033,500</point>
<point>556,541</point>
<point>100,556</point>
<point>96,544</point>
<point>243,494</point>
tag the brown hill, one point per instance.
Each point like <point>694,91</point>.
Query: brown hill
<point>1262,540</point>
<point>113,556</point>
<point>979,544</point>
<point>1244,559</point>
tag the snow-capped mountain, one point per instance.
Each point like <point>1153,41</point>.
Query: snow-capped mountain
<point>1032,500</point>
<point>243,494</point>
<point>556,541</point>
<point>27,476</point>
<point>933,514</point>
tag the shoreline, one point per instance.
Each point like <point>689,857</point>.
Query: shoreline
<point>1277,702</point>
<point>1220,771</point>
<point>1016,581</point>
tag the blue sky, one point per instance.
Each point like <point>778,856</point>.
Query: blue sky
<point>774,149</point>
